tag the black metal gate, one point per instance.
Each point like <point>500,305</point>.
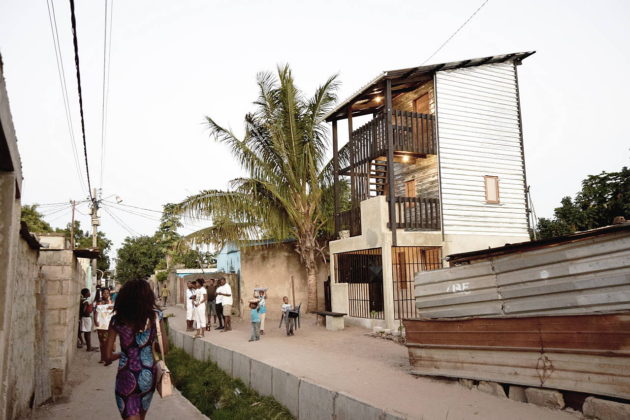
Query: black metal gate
<point>363,272</point>
<point>406,262</point>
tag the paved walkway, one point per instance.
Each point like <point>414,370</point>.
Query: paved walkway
<point>89,394</point>
<point>369,369</point>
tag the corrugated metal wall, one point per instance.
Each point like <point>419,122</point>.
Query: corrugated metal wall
<point>587,277</point>
<point>479,134</point>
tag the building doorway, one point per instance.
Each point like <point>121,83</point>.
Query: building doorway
<point>363,272</point>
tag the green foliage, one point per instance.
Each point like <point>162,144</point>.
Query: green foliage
<point>137,258</point>
<point>602,198</point>
<point>82,239</point>
<point>34,219</point>
<point>218,395</point>
<point>287,192</point>
<point>161,276</point>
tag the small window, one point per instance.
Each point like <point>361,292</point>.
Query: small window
<point>410,188</point>
<point>492,189</point>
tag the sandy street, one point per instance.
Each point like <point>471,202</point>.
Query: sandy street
<point>366,368</point>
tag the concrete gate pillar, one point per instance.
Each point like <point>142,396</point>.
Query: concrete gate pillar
<point>388,282</point>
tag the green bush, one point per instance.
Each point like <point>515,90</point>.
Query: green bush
<point>218,395</point>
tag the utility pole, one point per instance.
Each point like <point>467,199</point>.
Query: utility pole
<point>95,224</point>
<point>74,203</point>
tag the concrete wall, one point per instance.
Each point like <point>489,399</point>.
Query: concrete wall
<point>305,399</point>
<point>23,371</point>
<point>27,381</point>
<point>64,278</point>
<point>272,266</point>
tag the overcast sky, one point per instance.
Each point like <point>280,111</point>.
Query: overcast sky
<point>174,62</point>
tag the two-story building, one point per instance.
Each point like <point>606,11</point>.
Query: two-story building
<point>439,169</point>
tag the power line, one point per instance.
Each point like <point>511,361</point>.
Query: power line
<point>135,207</point>
<point>64,89</point>
<point>76,62</point>
<point>455,33</point>
<point>107,40</point>
<point>121,223</point>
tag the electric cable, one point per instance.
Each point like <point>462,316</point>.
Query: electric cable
<point>456,32</point>
<point>107,51</point>
<point>78,68</point>
<point>52,19</point>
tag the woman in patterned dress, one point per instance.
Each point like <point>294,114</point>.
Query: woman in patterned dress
<point>135,322</point>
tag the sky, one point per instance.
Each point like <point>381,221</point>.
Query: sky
<point>174,62</point>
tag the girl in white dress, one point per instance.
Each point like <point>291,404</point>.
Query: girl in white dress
<point>199,310</point>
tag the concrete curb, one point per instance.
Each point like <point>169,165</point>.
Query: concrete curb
<point>304,399</point>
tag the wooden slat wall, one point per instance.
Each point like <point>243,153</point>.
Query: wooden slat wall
<point>590,276</point>
<point>479,135</point>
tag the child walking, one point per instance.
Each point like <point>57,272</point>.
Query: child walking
<point>286,313</point>
<point>255,318</point>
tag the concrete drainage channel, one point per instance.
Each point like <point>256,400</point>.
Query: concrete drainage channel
<point>304,399</point>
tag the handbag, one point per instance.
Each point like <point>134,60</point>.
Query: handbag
<point>163,385</point>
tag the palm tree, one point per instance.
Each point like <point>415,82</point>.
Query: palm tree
<point>287,193</point>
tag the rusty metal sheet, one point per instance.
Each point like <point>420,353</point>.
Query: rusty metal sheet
<point>584,353</point>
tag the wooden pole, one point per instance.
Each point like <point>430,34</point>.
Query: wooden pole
<point>390,159</point>
<point>293,291</point>
<point>72,225</point>
<point>335,175</point>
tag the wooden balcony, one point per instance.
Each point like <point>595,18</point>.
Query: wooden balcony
<point>416,213</point>
<point>370,159</point>
<point>413,134</point>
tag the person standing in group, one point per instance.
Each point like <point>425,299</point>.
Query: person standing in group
<point>199,311</point>
<point>85,313</point>
<point>102,314</point>
<point>164,294</point>
<point>225,292</point>
<point>190,296</point>
<point>262,306</point>
<point>135,321</point>
<point>211,309</point>
<point>254,312</point>
<point>218,306</point>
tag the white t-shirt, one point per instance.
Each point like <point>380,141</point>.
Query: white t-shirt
<point>104,313</point>
<point>225,300</point>
<point>286,307</point>
<point>199,294</point>
<point>189,293</point>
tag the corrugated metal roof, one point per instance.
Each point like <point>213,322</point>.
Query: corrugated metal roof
<point>406,73</point>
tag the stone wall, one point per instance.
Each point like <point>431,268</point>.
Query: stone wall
<point>272,266</point>
<point>64,278</point>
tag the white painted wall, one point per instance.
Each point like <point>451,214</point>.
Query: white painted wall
<point>479,134</point>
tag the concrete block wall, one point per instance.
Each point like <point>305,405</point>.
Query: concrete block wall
<point>26,384</point>
<point>63,278</point>
<point>305,399</point>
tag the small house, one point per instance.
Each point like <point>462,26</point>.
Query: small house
<point>438,169</point>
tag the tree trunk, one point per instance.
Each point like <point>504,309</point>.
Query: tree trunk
<point>311,282</point>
